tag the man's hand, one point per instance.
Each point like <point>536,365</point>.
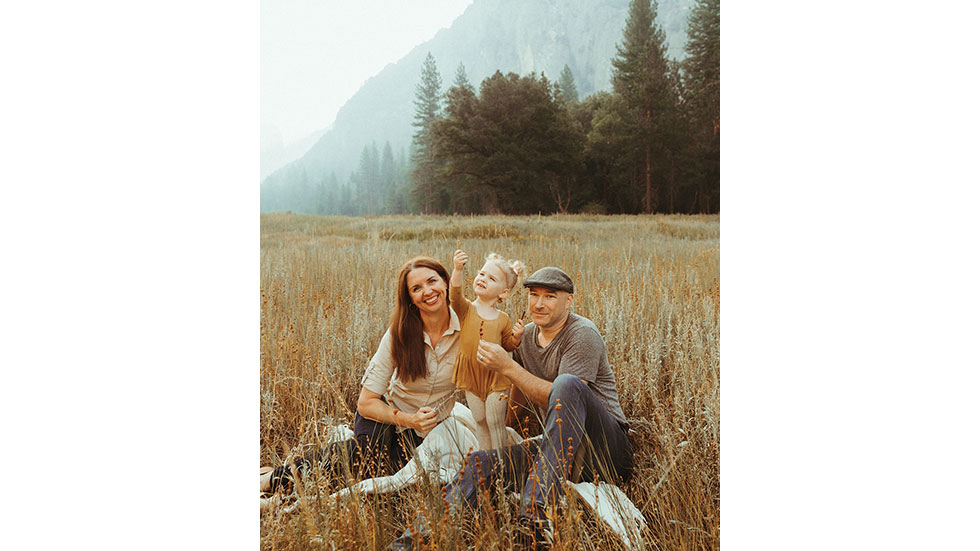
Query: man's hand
<point>459,260</point>
<point>492,356</point>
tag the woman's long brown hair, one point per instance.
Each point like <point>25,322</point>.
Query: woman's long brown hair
<point>408,346</point>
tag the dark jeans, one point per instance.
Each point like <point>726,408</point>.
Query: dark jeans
<point>581,442</point>
<point>374,443</point>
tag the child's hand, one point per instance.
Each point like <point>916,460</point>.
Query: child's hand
<point>459,260</point>
<point>518,330</point>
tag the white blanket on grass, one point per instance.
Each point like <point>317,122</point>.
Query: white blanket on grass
<point>440,456</point>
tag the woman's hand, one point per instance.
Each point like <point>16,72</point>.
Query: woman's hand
<point>370,406</point>
<point>459,260</point>
<point>423,420</point>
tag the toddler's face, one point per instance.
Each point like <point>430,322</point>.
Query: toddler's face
<point>490,282</point>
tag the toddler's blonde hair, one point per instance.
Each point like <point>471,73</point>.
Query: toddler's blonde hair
<point>513,269</point>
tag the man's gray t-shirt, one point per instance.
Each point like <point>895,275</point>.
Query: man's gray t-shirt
<point>578,350</point>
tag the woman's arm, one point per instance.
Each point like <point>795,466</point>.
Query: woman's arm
<point>371,406</point>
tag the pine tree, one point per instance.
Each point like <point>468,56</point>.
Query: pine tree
<point>322,197</point>
<point>611,138</point>
<point>346,206</point>
<point>427,108</point>
<point>461,86</point>
<point>333,195</point>
<point>641,77</point>
<point>701,74</point>
<point>567,83</point>
<point>366,181</point>
<point>460,108</point>
<point>299,198</point>
<point>387,184</point>
<point>515,140</point>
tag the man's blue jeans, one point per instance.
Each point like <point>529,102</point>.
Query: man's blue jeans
<point>578,434</point>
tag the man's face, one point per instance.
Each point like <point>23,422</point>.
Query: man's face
<point>548,308</point>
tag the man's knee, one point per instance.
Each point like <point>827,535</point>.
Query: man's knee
<point>564,386</point>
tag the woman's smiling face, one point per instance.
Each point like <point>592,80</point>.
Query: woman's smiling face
<point>427,289</point>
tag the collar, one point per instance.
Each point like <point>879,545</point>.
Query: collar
<point>454,327</point>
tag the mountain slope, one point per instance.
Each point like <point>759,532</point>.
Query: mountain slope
<point>273,154</point>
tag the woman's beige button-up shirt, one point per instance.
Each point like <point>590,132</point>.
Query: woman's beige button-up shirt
<point>433,390</point>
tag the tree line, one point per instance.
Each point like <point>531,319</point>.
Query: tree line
<point>524,144</point>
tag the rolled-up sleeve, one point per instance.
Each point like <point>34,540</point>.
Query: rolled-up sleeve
<point>377,376</point>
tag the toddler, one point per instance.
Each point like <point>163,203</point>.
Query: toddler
<point>485,390</point>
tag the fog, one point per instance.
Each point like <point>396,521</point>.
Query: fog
<point>314,55</point>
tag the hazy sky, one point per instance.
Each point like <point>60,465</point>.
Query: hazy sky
<point>315,54</point>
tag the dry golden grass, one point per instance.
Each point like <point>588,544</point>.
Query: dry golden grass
<point>650,283</point>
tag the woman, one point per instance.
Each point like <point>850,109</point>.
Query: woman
<point>407,388</point>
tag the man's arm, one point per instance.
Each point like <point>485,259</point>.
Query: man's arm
<point>533,388</point>
<point>494,357</point>
<point>515,403</point>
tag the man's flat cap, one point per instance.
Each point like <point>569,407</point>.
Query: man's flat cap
<point>550,278</point>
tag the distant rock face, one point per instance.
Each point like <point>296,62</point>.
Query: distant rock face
<point>519,36</point>
<point>273,155</point>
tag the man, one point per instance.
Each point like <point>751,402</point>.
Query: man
<point>560,367</point>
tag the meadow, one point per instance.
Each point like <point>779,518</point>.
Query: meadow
<point>650,284</point>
